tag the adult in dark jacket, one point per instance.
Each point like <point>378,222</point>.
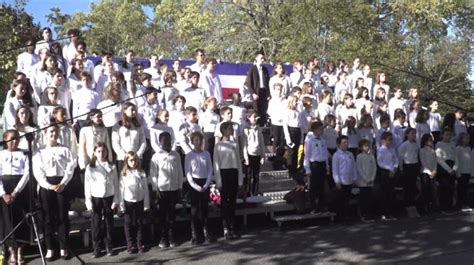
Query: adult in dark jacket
<point>257,84</point>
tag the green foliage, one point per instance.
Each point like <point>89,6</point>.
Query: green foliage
<point>16,27</point>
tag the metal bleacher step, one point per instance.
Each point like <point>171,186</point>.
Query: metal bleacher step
<point>275,181</point>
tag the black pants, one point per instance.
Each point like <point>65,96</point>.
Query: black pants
<point>252,175</point>
<point>317,184</point>
<point>55,207</point>
<point>410,176</point>
<point>463,190</point>
<point>199,205</point>
<point>147,155</point>
<point>365,201</point>
<point>230,187</point>
<point>342,201</point>
<point>13,213</point>
<point>167,202</point>
<point>446,187</point>
<point>295,135</point>
<point>429,191</point>
<point>133,218</point>
<point>278,137</point>
<point>387,192</point>
<point>262,107</point>
<point>101,208</point>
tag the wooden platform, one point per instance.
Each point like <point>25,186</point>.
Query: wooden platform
<point>299,217</point>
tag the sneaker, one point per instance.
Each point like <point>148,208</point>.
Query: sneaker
<point>466,209</point>
<point>96,253</point>
<point>172,244</point>
<point>383,218</point>
<point>163,243</point>
<point>110,252</point>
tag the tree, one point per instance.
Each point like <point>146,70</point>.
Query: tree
<point>16,27</point>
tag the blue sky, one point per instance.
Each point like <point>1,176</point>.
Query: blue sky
<point>40,8</point>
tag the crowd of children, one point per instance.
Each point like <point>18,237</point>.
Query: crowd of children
<point>129,140</point>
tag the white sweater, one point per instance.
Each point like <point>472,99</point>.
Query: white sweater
<point>134,188</point>
<point>89,136</point>
<point>444,152</point>
<point>125,140</point>
<point>165,171</point>
<point>100,181</point>
<point>463,155</point>
<point>428,160</point>
<point>227,156</point>
<point>252,142</point>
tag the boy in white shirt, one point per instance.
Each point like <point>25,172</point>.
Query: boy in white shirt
<point>344,172</point>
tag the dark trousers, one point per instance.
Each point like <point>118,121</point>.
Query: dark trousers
<point>262,107</point>
<point>365,201</point>
<point>317,184</point>
<point>295,135</point>
<point>446,187</point>
<point>387,192</point>
<point>101,208</point>
<point>147,155</point>
<point>133,218</point>
<point>410,176</point>
<point>342,201</point>
<point>278,137</point>
<point>13,214</point>
<point>252,175</point>
<point>230,187</point>
<point>55,207</point>
<point>199,205</point>
<point>463,190</point>
<point>167,202</point>
<point>429,191</point>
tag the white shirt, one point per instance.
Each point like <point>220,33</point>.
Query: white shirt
<point>387,158</point>
<point>128,139</point>
<point>324,109</point>
<point>156,80</point>
<point>166,97</point>
<point>198,67</point>
<point>89,137</point>
<point>111,112</point>
<point>344,170</point>
<point>155,132</point>
<point>394,104</point>
<point>284,81</point>
<point>428,160</point>
<point>10,108</point>
<point>444,152</point>
<point>211,83</point>
<point>408,153</point>
<point>435,122</point>
<point>421,129</point>
<point>253,143</point>
<point>275,105</point>
<point>463,155</point>
<point>134,188</point>
<point>315,151</point>
<point>198,166</point>
<point>208,121</point>
<point>194,97</point>
<point>14,163</point>
<point>227,156</point>
<point>53,161</point>
<point>100,181</point>
<point>367,169</point>
<point>330,135</point>
<point>352,138</point>
<point>148,113</point>
<point>166,171</point>
<point>184,135</point>
<point>25,63</point>
<point>86,99</point>
<point>291,118</point>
